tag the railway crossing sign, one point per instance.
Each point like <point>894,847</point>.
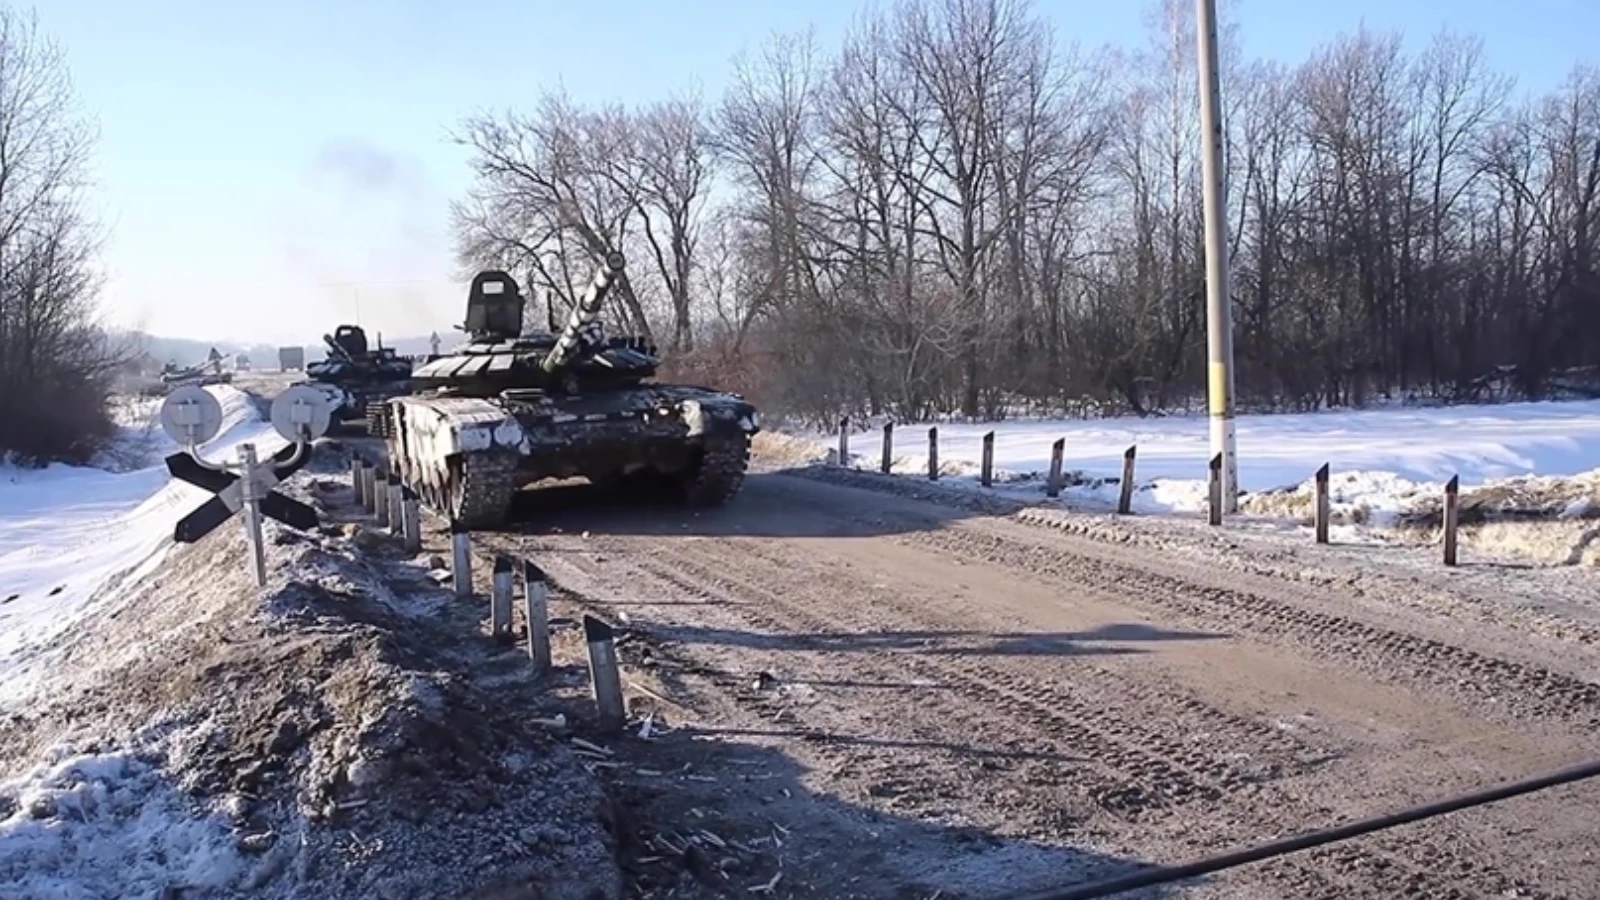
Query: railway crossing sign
<point>192,416</point>
<point>229,489</point>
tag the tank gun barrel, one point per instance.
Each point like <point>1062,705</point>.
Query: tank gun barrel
<point>585,311</point>
<point>334,350</point>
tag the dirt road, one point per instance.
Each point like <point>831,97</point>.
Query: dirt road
<point>861,694</point>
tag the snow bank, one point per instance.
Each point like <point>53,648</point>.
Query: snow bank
<point>99,821</point>
<point>69,534</point>
<point>1381,459</point>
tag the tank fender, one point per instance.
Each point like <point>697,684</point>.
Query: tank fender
<point>447,428</point>
<point>718,416</point>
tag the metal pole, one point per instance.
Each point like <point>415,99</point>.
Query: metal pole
<point>397,522</point>
<point>411,515</point>
<point>501,585</point>
<point>604,676</point>
<point>535,595</point>
<point>380,497</point>
<point>1219,312</point>
<point>252,513</point>
<point>460,559</point>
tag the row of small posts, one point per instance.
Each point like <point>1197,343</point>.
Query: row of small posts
<point>1053,483</point>
<point>1321,515</point>
<point>396,507</point>
<point>605,675</point>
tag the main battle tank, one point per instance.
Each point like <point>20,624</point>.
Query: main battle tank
<point>356,378</point>
<point>507,409</point>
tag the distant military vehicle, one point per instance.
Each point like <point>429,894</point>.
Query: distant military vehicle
<point>506,409</point>
<point>208,372</point>
<point>357,378</point>
<point>291,359</point>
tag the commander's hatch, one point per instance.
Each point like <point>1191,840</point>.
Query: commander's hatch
<point>494,307</point>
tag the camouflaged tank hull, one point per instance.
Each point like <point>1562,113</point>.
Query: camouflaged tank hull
<point>351,404</point>
<point>467,456</point>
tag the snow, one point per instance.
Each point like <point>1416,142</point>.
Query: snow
<point>110,821</point>
<point>1380,459</point>
<point>71,535</point>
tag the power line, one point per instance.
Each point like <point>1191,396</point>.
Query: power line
<point>1167,874</point>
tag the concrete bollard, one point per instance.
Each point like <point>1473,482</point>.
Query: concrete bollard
<point>986,471</point>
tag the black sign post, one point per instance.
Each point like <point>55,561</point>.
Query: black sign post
<point>192,416</point>
<point>252,490</point>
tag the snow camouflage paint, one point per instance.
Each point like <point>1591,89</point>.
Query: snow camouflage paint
<point>508,408</point>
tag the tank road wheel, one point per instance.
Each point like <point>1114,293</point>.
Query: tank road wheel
<point>480,490</point>
<point>719,473</point>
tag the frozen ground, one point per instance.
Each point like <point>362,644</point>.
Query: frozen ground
<point>69,535</point>
<point>1384,463</point>
<point>171,731</point>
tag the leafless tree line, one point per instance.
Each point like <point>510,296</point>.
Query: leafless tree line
<point>956,211</point>
<point>56,367</point>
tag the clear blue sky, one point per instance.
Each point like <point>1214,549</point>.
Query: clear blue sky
<point>263,164</point>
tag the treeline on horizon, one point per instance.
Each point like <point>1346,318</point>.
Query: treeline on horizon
<point>958,211</point>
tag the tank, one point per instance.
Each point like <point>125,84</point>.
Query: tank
<point>356,378</point>
<point>506,409</point>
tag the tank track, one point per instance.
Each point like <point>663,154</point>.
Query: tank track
<point>482,499</point>
<point>377,420</point>
<point>721,471</point>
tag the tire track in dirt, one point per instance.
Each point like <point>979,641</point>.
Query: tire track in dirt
<point>1119,743</point>
<point>1122,792</point>
<point>1384,653</point>
<point>917,792</point>
<point>1168,708</point>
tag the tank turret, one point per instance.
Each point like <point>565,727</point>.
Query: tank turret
<point>356,377</point>
<point>506,408</point>
<point>499,357</point>
<point>346,343</point>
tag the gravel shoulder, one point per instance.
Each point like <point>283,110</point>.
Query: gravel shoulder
<point>343,733</point>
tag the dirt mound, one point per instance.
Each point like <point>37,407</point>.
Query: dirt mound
<point>326,737</point>
<point>776,449</point>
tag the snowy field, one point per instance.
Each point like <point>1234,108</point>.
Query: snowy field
<point>1382,461</point>
<point>70,536</point>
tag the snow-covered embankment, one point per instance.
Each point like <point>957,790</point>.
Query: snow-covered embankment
<point>1388,466</point>
<point>70,535</point>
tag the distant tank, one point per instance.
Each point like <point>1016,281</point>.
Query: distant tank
<point>506,409</point>
<point>202,373</point>
<point>356,378</point>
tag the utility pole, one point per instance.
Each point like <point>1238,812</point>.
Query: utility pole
<point>1219,307</point>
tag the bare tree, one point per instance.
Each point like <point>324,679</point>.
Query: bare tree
<point>548,199</point>
<point>56,364</point>
<point>951,212</point>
